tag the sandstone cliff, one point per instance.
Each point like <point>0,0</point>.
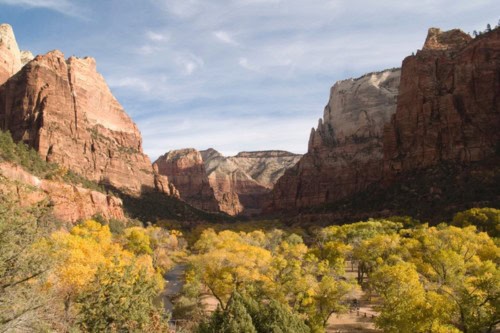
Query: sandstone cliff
<point>345,152</point>
<point>70,203</point>
<point>241,182</point>
<point>438,151</point>
<point>185,169</point>
<point>64,110</point>
<point>10,56</point>
<point>448,105</point>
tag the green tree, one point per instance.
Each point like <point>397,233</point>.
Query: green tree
<point>234,318</point>
<point>120,299</point>
<point>24,302</point>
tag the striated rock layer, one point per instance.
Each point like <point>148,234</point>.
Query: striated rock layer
<point>70,203</point>
<point>242,182</point>
<point>448,105</point>
<point>185,169</point>
<point>345,153</point>
<point>64,110</point>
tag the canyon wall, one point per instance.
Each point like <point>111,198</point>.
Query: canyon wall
<point>185,169</point>
<point>234,185</point>
<point>64,109</point>
<point>448,105</point>
<point>345,152</point>
<point>443,106</point>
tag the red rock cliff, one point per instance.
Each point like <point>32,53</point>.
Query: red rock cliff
<point>64,109</point>
<point>185,169</point>
<point>449,103</point>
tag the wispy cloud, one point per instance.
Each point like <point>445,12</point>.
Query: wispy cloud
<point>225,37</point>
<point>157,37</point>
<point>66,7</point>
<point>237,74</point>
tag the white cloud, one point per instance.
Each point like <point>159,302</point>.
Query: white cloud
<point>130,82</point>
<point>157,37</point>
<point>224,37</point>
<point>243,62</point>
<point>66,7</point>
<point>180,8</point>
<point>189,62</point>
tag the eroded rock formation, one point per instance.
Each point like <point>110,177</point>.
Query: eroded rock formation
<point>64,110</point>
<point>242,182</point>
<point>345,152</point>
<point>449,103</point>
<point>70,203</point>
<point>448,110</point>
<point>185,169</point>
<point>10,56</point>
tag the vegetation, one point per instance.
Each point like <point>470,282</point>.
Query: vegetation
<point>86,278</point>
<point>26,157</point>
<point>83,279</point>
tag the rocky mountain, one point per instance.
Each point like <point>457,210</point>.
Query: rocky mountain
<point>448,105</point>
<point>345,152</point>
<point>233,185</point>
<point>242,182</point>
<point>437,116</point>
<point>64,109</point>
<point>185,169</point>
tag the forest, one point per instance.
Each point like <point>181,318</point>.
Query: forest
<point>107,276</point>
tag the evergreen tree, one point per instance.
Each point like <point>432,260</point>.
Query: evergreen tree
<point>234,319</point>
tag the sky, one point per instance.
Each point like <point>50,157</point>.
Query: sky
<point>234,75</point>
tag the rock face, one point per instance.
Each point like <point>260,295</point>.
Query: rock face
<point>449,103</point>
<point>64,110</point>
<point>10,56</point>
<point>185,169</point>
<point>242,182</point>
<point>233,185</point>
<point>345,152</point>
<point>70,203</point>
<point>448,110</point>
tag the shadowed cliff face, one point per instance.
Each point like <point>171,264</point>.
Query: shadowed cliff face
<point>448,110</point>
<point>345,152</point>
<point>64,109</point>
<point>448,105</point>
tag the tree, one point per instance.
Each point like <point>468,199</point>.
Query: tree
<point>234,318</point>
<point>228,263</point>
<point>245,314</point>
<point>24,302</point>
<point>485,219</point>
<point>120,298</point>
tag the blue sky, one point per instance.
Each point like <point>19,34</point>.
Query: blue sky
<point>235,75</point>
